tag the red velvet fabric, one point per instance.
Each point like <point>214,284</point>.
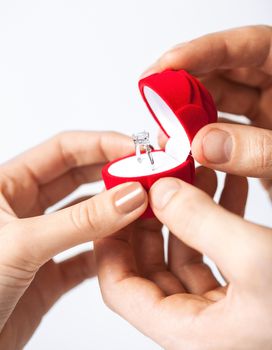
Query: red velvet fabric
<point>194,108</point>
<point>185,95</point>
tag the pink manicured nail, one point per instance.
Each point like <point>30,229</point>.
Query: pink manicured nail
<point>129,198</point>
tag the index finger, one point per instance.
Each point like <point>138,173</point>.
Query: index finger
<point>241,47</point>
<point>68,150</point>
<point>123,289</point>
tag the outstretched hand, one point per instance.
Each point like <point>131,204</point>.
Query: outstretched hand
<point>30,282</point>
<point>176,300</point>
<point>236,67</point>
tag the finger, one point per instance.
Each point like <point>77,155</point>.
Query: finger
<point>226,119</point>
<point>240,99</point>
<point>6,212</point>
<point>240,47</point>
<point>216,294</point>
<point>148,246</point>
<point>140,301</point>
<point>187,263</point>
<point>64,152</point>
<point>235,149</point>
<point>76,270</point>
<point>234,194</point>
<point>76,201</point>
<point>71,149</point>
<point>232,97</point>
<point>124,291</point>
<point>267,184</point>
<point>63,185</point>
<point>49,284</point>
<point>56,279</point>
<point>162,139</point>
<point>252,76</point>
<point>209,228</point>
<point>37,239</point>
<point>206,180</point>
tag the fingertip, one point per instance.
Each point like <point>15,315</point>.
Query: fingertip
<point>206,180</point>
<point>196,147</point>
<point>130,197</point>
<point>203,171</point>
<point>229,200</point>
<point>213,145</point>
<point>150,70</point>
<point>162,191</point>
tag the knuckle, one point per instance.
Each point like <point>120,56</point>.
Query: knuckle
<point>18,259</point>
<point>107,299</point>
<point>111,291</point>
<point>104,140</point>
<point>86,217</point>
<point>63,142</point>
<point>61,136</point>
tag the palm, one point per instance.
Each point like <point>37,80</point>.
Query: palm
<point>44,290</point>
<point>25,195</point>
<point>49,284</point>
<point>140,250</point>
<point>165,290</point>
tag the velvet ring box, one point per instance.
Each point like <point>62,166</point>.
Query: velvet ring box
<point>181,106</point>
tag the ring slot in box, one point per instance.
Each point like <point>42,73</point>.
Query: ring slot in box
<point>181,106</point>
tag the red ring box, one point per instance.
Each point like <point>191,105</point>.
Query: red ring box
<point>181,106</point>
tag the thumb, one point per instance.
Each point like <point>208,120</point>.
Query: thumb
<point>193,217</point>
<point>40,238</point>
<point>237,149</point>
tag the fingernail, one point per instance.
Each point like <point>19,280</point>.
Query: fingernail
<point>129,198</point>
<point>162,192</point>
<point>217,146</point>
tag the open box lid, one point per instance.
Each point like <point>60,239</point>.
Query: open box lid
<point>178,102</point>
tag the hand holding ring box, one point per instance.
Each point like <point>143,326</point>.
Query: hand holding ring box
<point>181,106</point>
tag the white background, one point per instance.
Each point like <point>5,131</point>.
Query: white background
<point>74,65</point>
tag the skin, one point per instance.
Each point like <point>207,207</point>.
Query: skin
<point>236,67</point>
<point>175,300</point>
<point>30,281</point>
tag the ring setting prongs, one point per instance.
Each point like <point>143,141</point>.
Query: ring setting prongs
<point>142,143</point>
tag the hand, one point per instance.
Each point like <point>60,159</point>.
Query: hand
<point>30,283</point>
<point>179,304</point>
<point>236,67</point>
